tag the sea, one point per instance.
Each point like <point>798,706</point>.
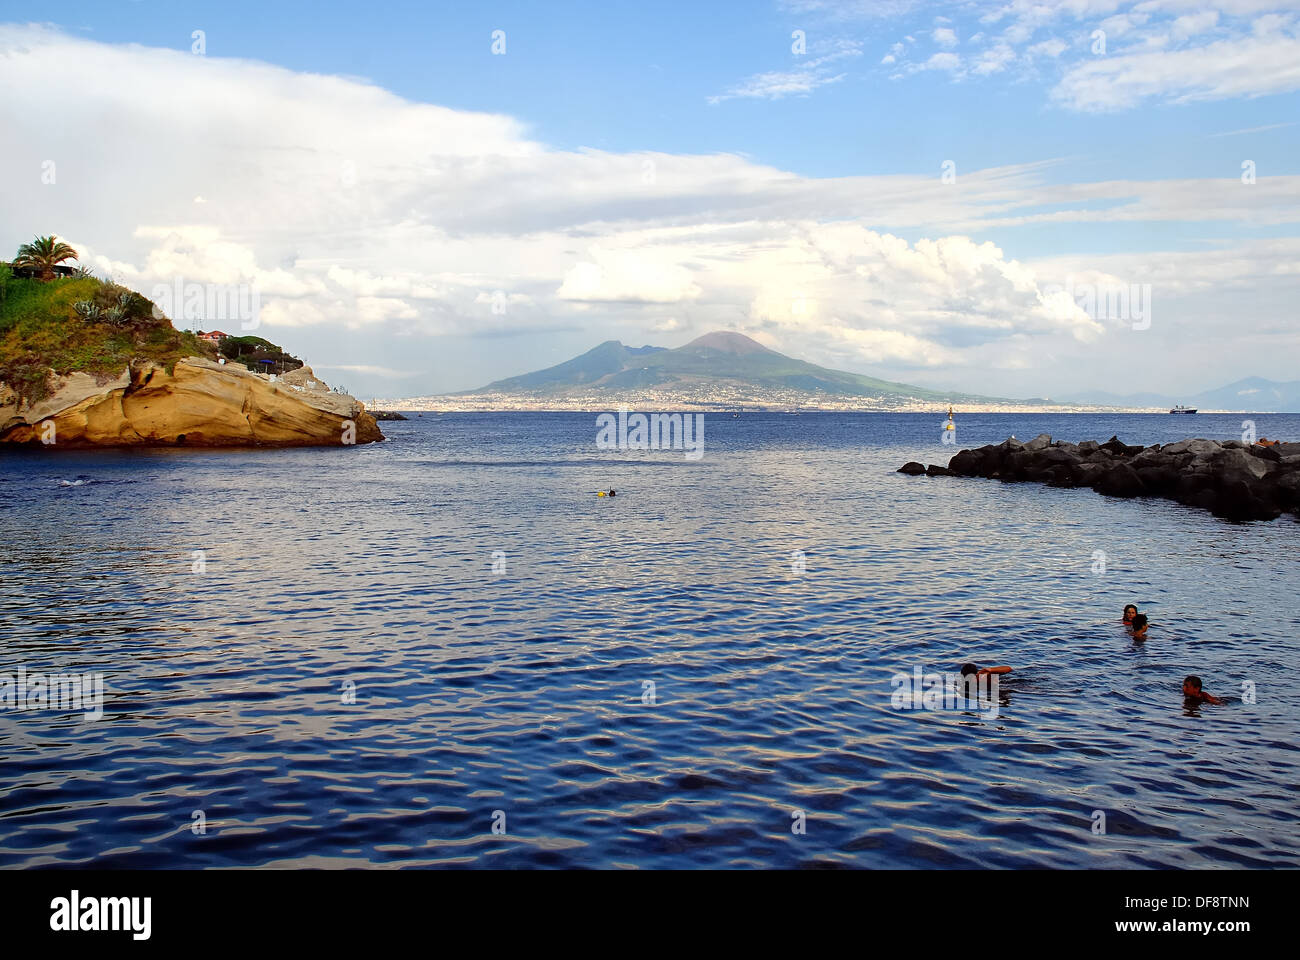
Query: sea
<point>446,650</point>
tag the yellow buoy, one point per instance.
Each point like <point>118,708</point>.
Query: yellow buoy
<point>601,493</point>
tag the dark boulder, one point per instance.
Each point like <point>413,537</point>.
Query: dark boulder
<point>1196,488</point>
<point>1238,501</point>
<point>1160,480</point>
<point>1059,476</point>
<point>1017,465</point>
<point>1120,480</point>
<point>1050,465</point>
<point>912,468</point>
<point>1119,448</point>
<point>934,470</point>
<point>1285,490</point>
<point>1265,453</point>
<point>1087,474</point>
<point>967,463</point>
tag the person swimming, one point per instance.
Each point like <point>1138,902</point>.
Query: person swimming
<point>1139,626</point>
<point>1130,612</point>
<point>972,675</point>
<point>969,668</point>
<point>1192,690</point>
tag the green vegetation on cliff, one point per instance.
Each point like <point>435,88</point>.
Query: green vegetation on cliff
<point>56,321</point>
<point>80,323</point>
<point>258,354</point>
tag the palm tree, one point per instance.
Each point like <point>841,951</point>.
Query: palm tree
<point>42,254</point>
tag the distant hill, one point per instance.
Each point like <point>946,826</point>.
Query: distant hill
<point>729,363</point>
<point>1254,395</point>
<point>1251,395</point>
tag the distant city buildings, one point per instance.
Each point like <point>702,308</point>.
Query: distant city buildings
<point>716,399</point>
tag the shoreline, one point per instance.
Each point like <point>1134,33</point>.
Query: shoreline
<point>428,405</point>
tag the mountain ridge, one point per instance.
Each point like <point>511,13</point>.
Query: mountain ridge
<point>722,360</point>
<point>1247,395</point>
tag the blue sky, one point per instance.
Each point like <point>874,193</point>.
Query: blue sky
<point>882,95</point>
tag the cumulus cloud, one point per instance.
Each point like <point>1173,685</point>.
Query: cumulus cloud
<point>941,61</point>
<point>372,225</point>
<point>640,275</point>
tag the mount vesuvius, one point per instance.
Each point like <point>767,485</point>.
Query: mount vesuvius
<point>720,368</point>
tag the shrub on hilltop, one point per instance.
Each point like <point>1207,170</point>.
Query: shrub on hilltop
<point>258,354</point>
<point>56,320</point>
<point>79,323</point>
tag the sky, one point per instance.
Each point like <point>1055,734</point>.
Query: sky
<point>1009,198</point>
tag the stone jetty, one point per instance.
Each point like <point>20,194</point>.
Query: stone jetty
<point>1232,479</point>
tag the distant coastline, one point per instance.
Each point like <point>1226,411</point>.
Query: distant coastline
<point>726,371</point>
<point>489,403</point>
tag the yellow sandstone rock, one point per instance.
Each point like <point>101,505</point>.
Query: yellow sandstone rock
<point>200,404</point>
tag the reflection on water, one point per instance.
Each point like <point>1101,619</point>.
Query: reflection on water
<point>373,656</point>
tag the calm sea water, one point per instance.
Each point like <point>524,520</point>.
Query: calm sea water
<point>647,681</point>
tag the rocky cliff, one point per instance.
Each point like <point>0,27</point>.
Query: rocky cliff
<point>198,403</point>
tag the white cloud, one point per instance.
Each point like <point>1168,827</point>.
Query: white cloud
<point>941,61</point>
<point>802,79</point>
<point>994,60</point>
<point>351,209</point>
<point>1245,67</point>
<point>1195,23</point>
<point>1172,50</point>
<point>1048,48</point>
<point>637,275</point>
<point>366,368</point>
<point>1260,129</point>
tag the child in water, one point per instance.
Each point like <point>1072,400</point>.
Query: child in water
<point>974,680</point>
<point>1192,691</point>
<point>1139,626</point>
<point>969,668</point>
<point>1129,613</point>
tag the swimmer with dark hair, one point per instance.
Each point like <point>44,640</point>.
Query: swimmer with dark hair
<point>1193,692</point>
<point>969,668</point>
<point>975,678</point>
